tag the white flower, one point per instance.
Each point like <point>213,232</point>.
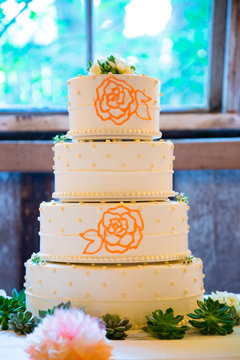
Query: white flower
<point>123,68</point>
<point>3,293</point>
<point>228,298</point>
<point>95,69</point>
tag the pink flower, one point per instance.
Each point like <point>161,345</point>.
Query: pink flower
<point>68,335</point>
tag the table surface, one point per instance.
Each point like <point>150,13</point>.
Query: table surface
<point>139,346</point>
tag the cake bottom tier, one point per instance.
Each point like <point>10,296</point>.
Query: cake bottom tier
<point>132,291</point>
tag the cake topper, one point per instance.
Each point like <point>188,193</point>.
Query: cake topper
<point>110,65</point>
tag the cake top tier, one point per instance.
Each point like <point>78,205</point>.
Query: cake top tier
<point>113,105</point>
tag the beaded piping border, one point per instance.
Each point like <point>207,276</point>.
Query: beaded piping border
<point>119,195</point>
<point>114,259</point>
<point>114,131</point>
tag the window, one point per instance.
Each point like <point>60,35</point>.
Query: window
<point>46,42</point>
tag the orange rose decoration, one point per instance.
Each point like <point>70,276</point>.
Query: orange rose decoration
<point>119,230</point>
<point>118,101</point>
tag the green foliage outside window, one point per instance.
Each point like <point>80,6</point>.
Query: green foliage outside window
<point>46,44</point>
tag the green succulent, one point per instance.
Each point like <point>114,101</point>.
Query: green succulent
<point>165,325</point>
<point>235,315</point>
<point>59,138</point>
<point>23,322</point>
<point>115,326</point>
<point>67,305</point>
<point>213,317</point>
<point>8,307</point>
<point>19,296</point>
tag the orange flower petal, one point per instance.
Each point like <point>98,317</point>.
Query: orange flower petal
<point>116,249</point>
<point>111,239</point>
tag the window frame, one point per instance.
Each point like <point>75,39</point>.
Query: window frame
<point>224,87</point>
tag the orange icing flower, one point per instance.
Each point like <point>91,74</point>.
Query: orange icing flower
<point>119,230</point>
<point>118,101</point>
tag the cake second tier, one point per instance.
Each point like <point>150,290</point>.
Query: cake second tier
<point>113,170</point>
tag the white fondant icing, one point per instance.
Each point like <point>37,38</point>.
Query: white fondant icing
<point>122,295</point>
<point>159,242</point>
<point>123,172</point>
<point>85,120</point>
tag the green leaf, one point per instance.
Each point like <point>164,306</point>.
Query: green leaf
<point>89,65</point>
<point>60,138</point>
<point>20,297</point>
<point>65,306</point>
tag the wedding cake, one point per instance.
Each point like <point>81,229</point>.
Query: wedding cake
<point>113,242</point>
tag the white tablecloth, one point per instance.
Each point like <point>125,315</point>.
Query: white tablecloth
<point>138,346</point>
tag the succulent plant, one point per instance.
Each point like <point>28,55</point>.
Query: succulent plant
<point>213,317</point>
<point>165,325</point>
<point>115,326</point>
<point>23,322</point>
<point>9,306</point>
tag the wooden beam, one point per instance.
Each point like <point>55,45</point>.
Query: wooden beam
<point>196,154</point>
<point>168,121</point>
<point>207,154</point>
<point>233,63</point>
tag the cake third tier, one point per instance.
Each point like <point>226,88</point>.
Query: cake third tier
<point>113,170</point>
<point>114,233</point>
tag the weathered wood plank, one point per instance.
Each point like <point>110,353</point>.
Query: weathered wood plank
<point>22,156</point>
<point>233,71</point>
<point>168,121</point>
<point>214,224</point>
<point>34,188</point>
<point>214,154</point>
<point>196,154</point>
<point>10,228</point>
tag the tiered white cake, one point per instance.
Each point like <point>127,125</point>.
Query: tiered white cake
<point>114,242</point>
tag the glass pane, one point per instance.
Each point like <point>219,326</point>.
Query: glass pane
<point>40,49</point>
<point>167,39</point>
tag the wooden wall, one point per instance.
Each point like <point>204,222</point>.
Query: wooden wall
<point>214,220</point>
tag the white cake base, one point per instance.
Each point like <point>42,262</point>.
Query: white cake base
<point>130,291</point>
